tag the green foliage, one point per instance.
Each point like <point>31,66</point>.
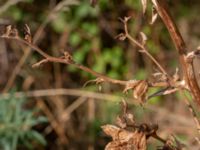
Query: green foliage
<point>59,23</point>
<point>141,74</point>
<point>16,13</point>
<point>16,124</point>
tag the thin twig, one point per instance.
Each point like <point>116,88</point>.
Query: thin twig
<point>94,95</point>
<point>66,113</point>
<point>67,59</point>
<point>142,47</point>
<point>61,5</point>
<point>54,123</point>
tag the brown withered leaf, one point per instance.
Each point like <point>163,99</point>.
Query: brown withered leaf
<point>154,16</point>
<point>140,91</point>
<point>27,34</point>
<point>131,84</point>
<point>112,131</point>
<point>143,37</point>
<point>124,140</point>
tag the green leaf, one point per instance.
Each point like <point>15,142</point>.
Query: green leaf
<point>59,23</point>
<point>37,136</point>
<point>74,39</point>
<point>16,13</point>
<point>90,28</point>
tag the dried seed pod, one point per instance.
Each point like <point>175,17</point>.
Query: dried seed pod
<point>131,84</point>
<point>140,91</point>
<point>124,139</point>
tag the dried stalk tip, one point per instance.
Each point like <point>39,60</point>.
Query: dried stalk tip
<point>126,19</point>
<point>121,36</point>
<point>27,34</point>
<point>10,32</point>
<point>38,64</point>
<point>128,135</point>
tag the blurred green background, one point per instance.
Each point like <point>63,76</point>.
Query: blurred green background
<point>67,120</point>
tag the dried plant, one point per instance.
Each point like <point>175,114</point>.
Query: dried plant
<point>129,135</point>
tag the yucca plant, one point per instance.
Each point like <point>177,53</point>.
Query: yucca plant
<point>16,124</point>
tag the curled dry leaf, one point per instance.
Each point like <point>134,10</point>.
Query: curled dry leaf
<point>154,16</point>
<point>97,81</point>
<point>143,37</point>
<point>111,130</point>
<point>144,5</point>
<point>123,139</point>
<point>140,91</point>
<point>131,84</point>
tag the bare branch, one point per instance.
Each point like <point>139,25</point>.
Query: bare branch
<point>143,48</point>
